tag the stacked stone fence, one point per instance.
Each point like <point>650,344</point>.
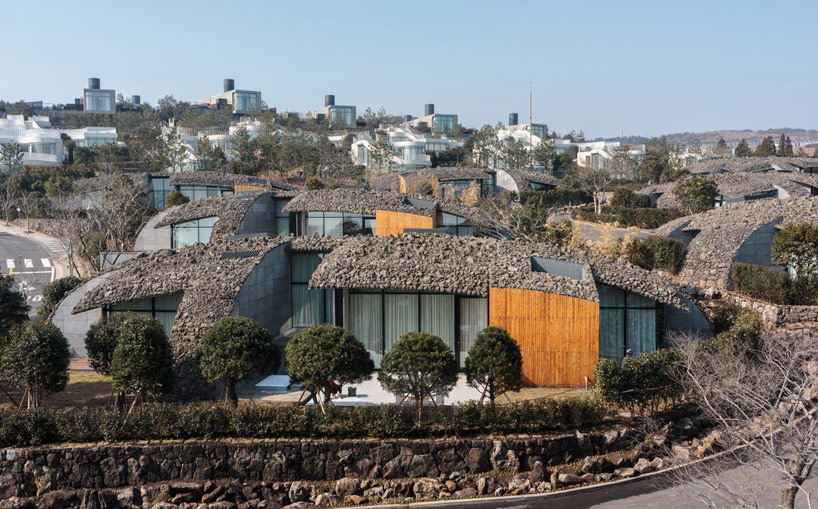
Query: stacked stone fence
<point>35,471</point>
<point>773,315</point>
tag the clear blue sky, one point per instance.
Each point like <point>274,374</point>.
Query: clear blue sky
<point>639,67</point>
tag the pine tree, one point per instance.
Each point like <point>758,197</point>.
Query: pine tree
<point>787,148</point>
<point>766,148</point>
<point>782,144</point>
<point>721,143</point>
<point>742,149</point>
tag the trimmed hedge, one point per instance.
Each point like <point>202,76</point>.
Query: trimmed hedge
<point>20,428</point>
<point>556,197</point>
<point>643,384</point>
<point>655,252</point>
<point>625,198</point>
<point>647,218</point>
<point>774,286</point>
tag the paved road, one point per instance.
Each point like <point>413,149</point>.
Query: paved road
<point>30,263</point>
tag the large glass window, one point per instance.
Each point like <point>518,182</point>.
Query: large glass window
<point>310,306</point>
<point>192,232</point>
<point>245,102</point>
<point>379,319</point>
<point>98,100</point>
<point>160,189</point>
<point>455,225</point>
<point>338,224</point>
<point>473,318</point>
<point>162,308</point>
<point>626,320</point>
<point>282,218</point>
<point>40,147</point>
<point>444,124</point>
<point>345,114</point>
<point>199,192</point>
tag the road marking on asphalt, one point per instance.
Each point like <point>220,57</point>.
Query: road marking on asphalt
<point>28,263</point>
<point>33,272</point>
<point>46,262</point>
<point>10,263</point>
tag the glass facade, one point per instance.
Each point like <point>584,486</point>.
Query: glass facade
<point>444,124</point>
<point>379,319</point>
<point>339,224</point>
<point>245,102</point>
<point>282,219</point>
<point>310,306</point>
<point>160,189</point>
<point>162,308</point>
<point>345,114</point>
<point>538,130</point>
<point>192,232</point>
<point>626,320</point>
<point>199,192</point>
<point>40,147</point>
<point>455,225</point>
<point>101,101</point>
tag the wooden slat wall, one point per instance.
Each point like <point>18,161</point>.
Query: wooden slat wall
<point>558,335</point>
<point>390,223</point>
<point>243,189</point>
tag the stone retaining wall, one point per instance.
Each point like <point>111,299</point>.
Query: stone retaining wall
<point>36,471</point>
<point>773,315</point>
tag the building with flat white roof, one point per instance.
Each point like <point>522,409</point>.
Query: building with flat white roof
<point>335,113</point>
<point>439,123</point>
<point>409,147</point>
<point>539,130</point>
<point>243,102</point>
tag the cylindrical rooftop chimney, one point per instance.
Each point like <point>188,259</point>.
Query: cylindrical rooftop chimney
<point>428,109</point>
<point>136,99</point>
<point>329,100</point>
<point>93,83</point>
<point>229,84</point>
<point>513,119</point>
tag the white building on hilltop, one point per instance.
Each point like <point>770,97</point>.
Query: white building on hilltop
<point>43,146</point>
<point>409,148</point>
<point>600,154</point>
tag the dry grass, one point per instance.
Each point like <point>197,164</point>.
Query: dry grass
<point>83,390</point>
<point>528,393</point>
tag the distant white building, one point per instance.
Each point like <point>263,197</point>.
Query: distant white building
<point>600,154</point>
<point>189,139</point>
<point>42,145</point>
<point>243,102</point>
<point>335,113</point>
<point>439,123</point>
<point>409,148</point>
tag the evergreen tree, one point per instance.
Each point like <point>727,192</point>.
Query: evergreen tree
<point>13,307</point>
<point>36,360</point>
<point>782,143</point>
<point>743,149</point>
<point>787,148</point>
<point>766,148</point>
<point>721,143</point>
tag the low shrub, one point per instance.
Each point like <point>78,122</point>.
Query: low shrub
<point>20,428</point>
<point>647,218</point>
<point>655,252</point>
<point>54,292</point>
<point>774,286</point>
<point>643,384</point>
<point>625,198</point>
<point>723,316</point>
<point>556,197</point>
<point>742,336</point>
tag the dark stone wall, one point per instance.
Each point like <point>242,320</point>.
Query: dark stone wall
<point>37,471</point>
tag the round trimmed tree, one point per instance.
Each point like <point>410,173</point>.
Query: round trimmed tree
<point>54,292</point>
<point>101,340</point>
<point>234,348</point>
<point>142,363</point>
<point>420,365</point>
<point>13,307</point>
<point>494,364</point>
<point>35,358</point>
<point>324,354</point>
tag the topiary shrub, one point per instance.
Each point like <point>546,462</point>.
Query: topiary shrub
<point>234,348</point>
<point>54,292</point>
<point>494,364</point>
<point>643,384</point>
<point>36,358</point>
<point>100,342</point>
<point>142,363</point>
<point>322,355</point>
<point>175,198</point>
<point>421,366</point>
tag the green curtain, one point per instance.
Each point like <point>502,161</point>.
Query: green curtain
<point>365,320</point>
<point>401,314</point>
<point>437,317</point>
<point>473,319</point>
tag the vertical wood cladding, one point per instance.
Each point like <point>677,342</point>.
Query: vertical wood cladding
<point>245,188</point>
<point>558,335</point>
<point>390,223</point>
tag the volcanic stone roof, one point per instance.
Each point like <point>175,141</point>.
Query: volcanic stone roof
<point>218,179</point>
<point>444,173</point>
<point>754,164</point>
<point>523,179</point>
<point>230,210</point>
<point>721,232</point>
<point>101,182</point>
<point>361,201</point>
<point>316,243</point>
<point>470,266</point>
<point>731,185</point>
<point>210,283</point>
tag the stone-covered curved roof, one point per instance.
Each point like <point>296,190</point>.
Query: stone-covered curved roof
<point>218,179</point>
<point>720,233</point>
<point>445,173</point>
<point>753,164</point>
<point>230,210</point>
<point>316,243</point>
<point>470,266</point>
<point>101,182</point>
<point>523,179</point>
<point>210,283</point>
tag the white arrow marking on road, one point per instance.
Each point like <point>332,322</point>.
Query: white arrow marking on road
<point>28,263</point>
<point>10,263</point>
<point>46,262</point>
